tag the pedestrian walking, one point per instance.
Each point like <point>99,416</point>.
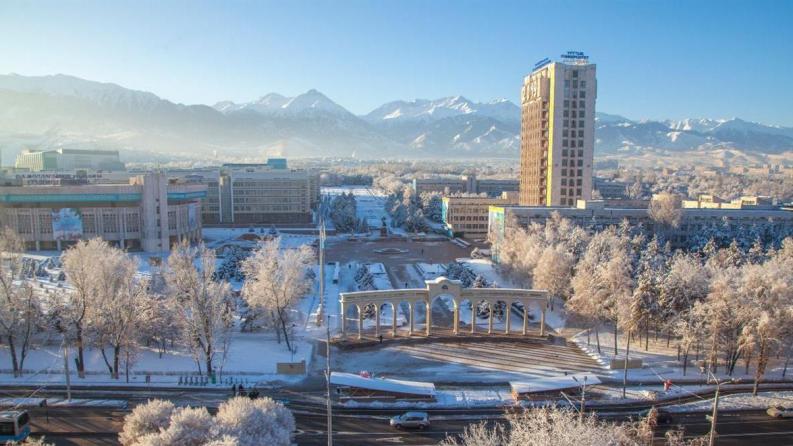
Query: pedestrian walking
<point>241,391</point>
<point>380,338</point>
<point>233,390</point>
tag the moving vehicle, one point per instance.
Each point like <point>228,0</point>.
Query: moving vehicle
<point>418,420</point>
<point>14,426</point>
<point>780,412</point>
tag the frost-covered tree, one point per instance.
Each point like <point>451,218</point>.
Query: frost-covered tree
<point>188,426</point>
<point>550,426</point>
<point>431,205</point>
<point>768,289</point>
<point>665,210</point>
<point>89,267</point>
<point>145,419</point>
<point>255,422</point>
<point>20,307</point>
<point>204,309</point>
<point>553,271</point>
<point>239,422</point>
<point>343,212</point>
<point>603,279</point>
<point>276,279</point>
<point>121,307</point>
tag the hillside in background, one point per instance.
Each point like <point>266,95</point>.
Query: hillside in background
<point>47,111</point>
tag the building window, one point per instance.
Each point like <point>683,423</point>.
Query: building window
<point>581,104</point>
<point>109,223</point>
<point>580,133</point>
<point>133,222</point>
<point>24,224</point>
<point>583,84</point>
<point>45,223</point>
<point>89,223</point>
<point>582,94</point>
<point>580,153</point>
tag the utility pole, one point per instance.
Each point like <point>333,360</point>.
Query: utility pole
<point>327,377</point>
<point>66,371</point>
<point>321,269</point>
<point>712,438</point>
<point>327,325</point>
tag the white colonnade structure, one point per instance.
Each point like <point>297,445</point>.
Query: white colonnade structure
<point>454,291</point>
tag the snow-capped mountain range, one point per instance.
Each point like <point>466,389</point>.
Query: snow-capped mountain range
<point>42,110</point>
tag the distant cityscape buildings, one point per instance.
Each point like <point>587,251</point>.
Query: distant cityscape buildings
<point>557,132</point>
<point>69,159</point>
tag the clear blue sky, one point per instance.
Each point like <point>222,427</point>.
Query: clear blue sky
<point>656,59</point>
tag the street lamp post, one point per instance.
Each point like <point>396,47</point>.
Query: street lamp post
<point>715,413</point>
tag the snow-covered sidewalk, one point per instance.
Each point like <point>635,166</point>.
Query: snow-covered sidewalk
<point>28,403</point>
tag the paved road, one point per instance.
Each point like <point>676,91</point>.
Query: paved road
<point>83,427</point>
<point>73,427</point>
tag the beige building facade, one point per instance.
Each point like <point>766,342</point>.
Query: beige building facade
<point>149,214</point>
<point>557,134</point>
<point>466,216</point>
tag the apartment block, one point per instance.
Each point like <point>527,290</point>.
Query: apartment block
<point>557,135</point>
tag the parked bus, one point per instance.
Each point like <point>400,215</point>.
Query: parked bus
<point>14,426</point>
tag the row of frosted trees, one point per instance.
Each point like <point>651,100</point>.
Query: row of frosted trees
<point>719,303</point>
<point>107,305</point>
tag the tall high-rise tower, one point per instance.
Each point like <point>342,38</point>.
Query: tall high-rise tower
<point>557,132</point>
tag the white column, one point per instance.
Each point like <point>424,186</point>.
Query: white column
<point>377,320</point>
<point>343,320</point>
<point>508,315</point>
<point>428,318</point>
<point>394,308</point>
<point>411,311</point>
<point>456,318</point>
<point>360,322</point>
<point>542,322</point>
<point>490,318</point>
<point>525,316</point>
<point>473,317</point>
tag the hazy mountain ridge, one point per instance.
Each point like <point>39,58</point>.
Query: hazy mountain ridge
<point>311,124</point>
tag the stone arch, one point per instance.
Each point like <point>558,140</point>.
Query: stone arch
<point>418,302</point>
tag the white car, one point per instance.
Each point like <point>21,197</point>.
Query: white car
<point>780,412</point>
<point>418,420</point>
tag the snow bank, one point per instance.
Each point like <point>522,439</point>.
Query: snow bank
<point>382,384</point>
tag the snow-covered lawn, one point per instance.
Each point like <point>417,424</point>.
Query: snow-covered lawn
<point>253,355</point>
<point>430,271</point>
<point>660,362</point>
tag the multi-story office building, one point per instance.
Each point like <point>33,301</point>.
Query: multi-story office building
<point>256,195</point>
<point>69,159</point>
<point>149,213</point>
<point>466,215</point>
<point>557,135</point>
